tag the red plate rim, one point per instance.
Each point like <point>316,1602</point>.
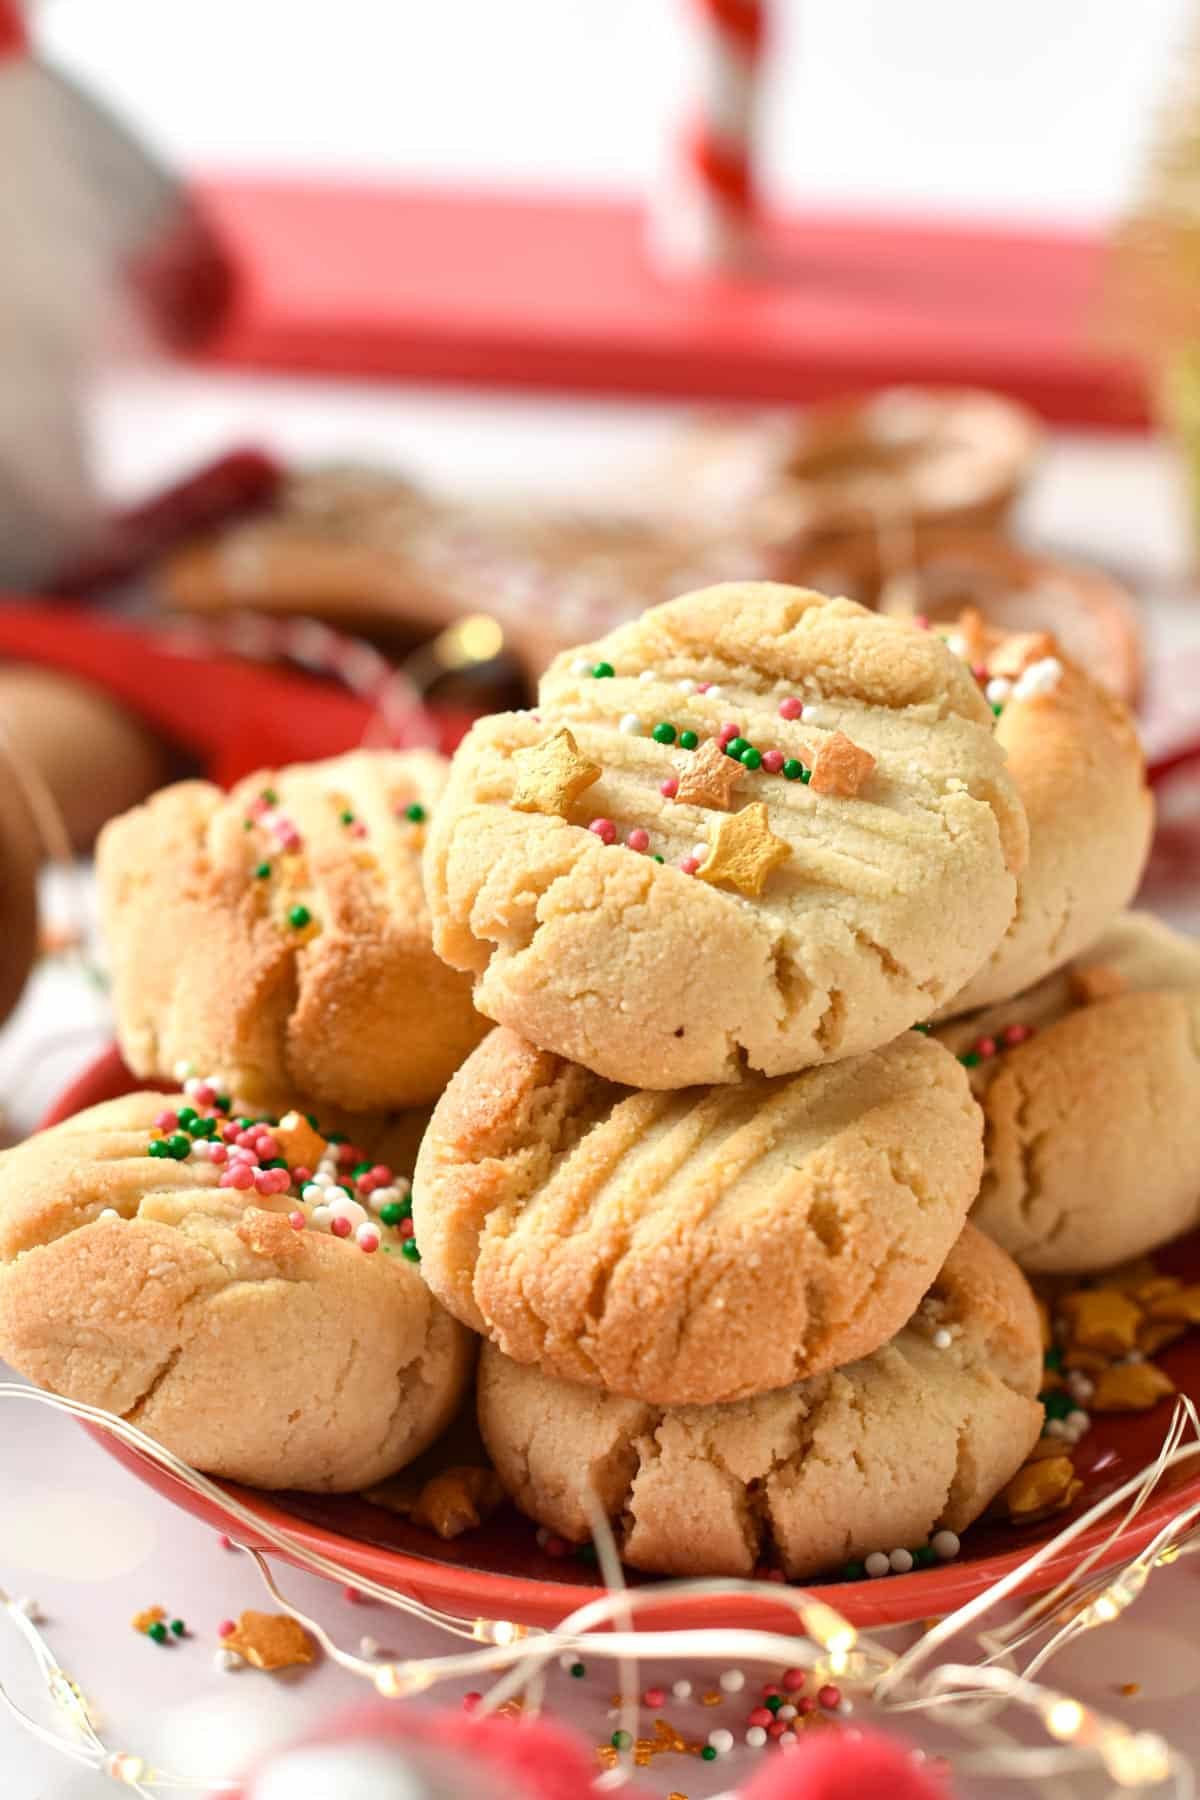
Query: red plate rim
<point>479,1593</point>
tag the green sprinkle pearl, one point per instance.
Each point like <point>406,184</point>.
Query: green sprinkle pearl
<point>923,1029</point>
<point>361,1169</point>
<point>262,872</point>
<point>1058,1403</point>
<point>347,817</point>
<point>602,669</point>
<point>415,814</point>
<point>925,1556</point>
<point>773,1702</point>
<point>997,708</point>
<point>578,1671</point>
<point>688,740</point>
<point>270,796</point>
<point>204,1128</point>
<point>391,1213</point>
<point>792,770</point>
<point>187,1116</point>
<point>971,1060</point>
<point>158,1632</point>
<point>621,1740</point>
<point>708,1754</point>
<point>751,758</point>
<point>157,1147</point>
<point>178,1146</point>
<point>299,916</point>
<point>409,1250</point>
<point>1052,1359</point>
<point>178,1628</point>
<point>735,746</point>
<point>853,1571</point>
<point>664,732</point>
<point>656,857</point>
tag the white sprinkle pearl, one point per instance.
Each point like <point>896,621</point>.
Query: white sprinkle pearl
<point>1039,678</point>
<point>110,1212</point>
<point>368,1647</point>
<point>686,686</point>
<point>631,725</point>
<point>901,1561</point>
<point>945,1545</point>
<point>787,1713</point>
<point>183,1068</point>
<point>1079,1385</point>
<point>646,675</point>
<point>321,1216</point>
<point>700,852</point>
<point>732,1681</point>
<point>1077,1423</point>
<point>581,666</point>
<point>877,1564</point>
<point>313,1193</point>
<point>714,692</point>
<point>942,1339</point>
<point>1055,1428</point>
<point>998,689</point>
<point>721,1740</point>
<point>682,1690</point>
<point>226,1661</point>
<point>756,1737</point>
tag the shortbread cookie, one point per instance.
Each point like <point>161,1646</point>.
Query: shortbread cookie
<point>839,872</point>
<point>1075,757</point>
<point>698,1245</point>
<point>279,934</point>
<point>915,1438</point>
<point>1090,1087</point>
<point>265,1329</point>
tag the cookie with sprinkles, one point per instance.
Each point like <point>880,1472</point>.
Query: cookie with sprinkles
<point>699,1244</point>
<point>665,926</point>
<point>1090,1087</point>
<point>1074,755</point>
<point>891,1450</point>
<point>163,1257</point>
<point>280,933</point>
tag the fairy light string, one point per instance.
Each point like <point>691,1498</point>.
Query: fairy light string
<point>832,1648</point>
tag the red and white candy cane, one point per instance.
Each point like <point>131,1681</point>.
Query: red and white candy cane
<point>710,214</point>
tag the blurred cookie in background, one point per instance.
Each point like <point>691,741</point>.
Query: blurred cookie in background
<point>20,854</point>
<point>370,552</point>
<point>93,758</point>
<point>853,468</point>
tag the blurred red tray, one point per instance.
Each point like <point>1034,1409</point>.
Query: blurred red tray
<point>498,1572</point>
<point>558,292</point>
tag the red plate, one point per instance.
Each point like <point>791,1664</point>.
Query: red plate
<point>499,1572</point>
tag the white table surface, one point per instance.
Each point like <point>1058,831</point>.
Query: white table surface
<point>82,1535</point>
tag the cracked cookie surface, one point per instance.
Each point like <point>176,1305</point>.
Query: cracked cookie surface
<point>699,1244</point>
<point>882,1452</point>
<point>646,972</point>
<point>258,1353</point>
<point>279,934</point>
<point>1092,1121</point>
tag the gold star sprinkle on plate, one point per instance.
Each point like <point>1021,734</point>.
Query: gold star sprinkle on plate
<point>552,775</point>
<point>708,777</point>
<point>743,850</point>
<point>270,1641</point>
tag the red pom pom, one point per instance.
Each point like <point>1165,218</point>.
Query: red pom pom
<point>843,1765</point>
<point>523,1759</point>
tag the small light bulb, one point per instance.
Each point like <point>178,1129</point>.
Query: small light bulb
<point>1065,1719</point>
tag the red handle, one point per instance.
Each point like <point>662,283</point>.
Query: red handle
<point>14,40</point>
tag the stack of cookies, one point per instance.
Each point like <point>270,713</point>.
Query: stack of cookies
<point>801,932</point>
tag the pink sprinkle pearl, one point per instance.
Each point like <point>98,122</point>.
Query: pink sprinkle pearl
<point>301,1176</point>
<point>272,1181</point>
<point>793,1680</point>
<point>1016,1034</point>
<point>729,730</point>
<point>790,707</point>
<point>230,1133</point>
<point>689,865</point>
<point>604,829</point>
<point>340,1226</point>
<point>772,761</point>
<point>654,1696</point>
<point>350,1155</point>
<point>638,839</point>
<point>297,1221</point>
<point>167,1121</point>
<point>267,1147</point>
<point>668,788</point>
<point>217,1153</point>
<point>986,1047</point>
<point>227,1627</point>
<point>702,687</point>
<point>367,1238</point>
<point>238,1175</point>
<point>921,621</point>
